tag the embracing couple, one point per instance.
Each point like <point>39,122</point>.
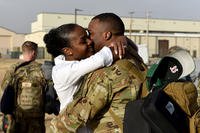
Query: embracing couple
<point>97,72</point>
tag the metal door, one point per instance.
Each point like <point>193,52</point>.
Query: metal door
<point>163,47</point>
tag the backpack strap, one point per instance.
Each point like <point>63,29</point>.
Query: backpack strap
<point>17,66</point>
<point>143,92</point>
<point>21,64</point>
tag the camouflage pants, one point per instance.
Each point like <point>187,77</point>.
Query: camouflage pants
<point>31,125</point>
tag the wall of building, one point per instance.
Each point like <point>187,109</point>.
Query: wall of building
<point>191,43</point>
<point>9,42</point>
<point>158,25</point>
<point>5,44</point>
<point>46,21</point>
<point>37,37</point>
<point>182,33</point>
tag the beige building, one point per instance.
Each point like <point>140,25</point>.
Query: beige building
<point>47,21</point>
<point>159,34</point>
<point>10,42</point>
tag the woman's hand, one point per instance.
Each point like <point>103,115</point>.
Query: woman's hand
<point>118,47</point>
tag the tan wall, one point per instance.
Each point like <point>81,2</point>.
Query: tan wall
<point>5,41</point>
<point>18,40</point>
<point>46,21</point>
<point>4,44</point>
<point>9,41</point>
<point>36,37</point>
<point>4,31</point>
<point>36,26</point>
<point>190,43</point>
<point>140,24</point>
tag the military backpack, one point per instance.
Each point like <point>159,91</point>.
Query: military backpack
<point>29,86</point>
<point>170,107</point>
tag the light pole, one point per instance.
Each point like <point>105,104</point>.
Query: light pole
<point>147,31</point>
<point>75,14</point>
<point>131,21</point>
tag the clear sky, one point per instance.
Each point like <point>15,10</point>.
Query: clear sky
<point>17,15</point>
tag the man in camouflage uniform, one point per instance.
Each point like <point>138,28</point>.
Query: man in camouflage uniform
<point>17,120</point>
<point>100,103</point>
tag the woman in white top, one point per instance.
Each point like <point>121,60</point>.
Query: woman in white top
<point>72,49</point>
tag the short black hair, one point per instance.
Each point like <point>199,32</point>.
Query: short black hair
<point>115,23</point>
<point>58,38</point>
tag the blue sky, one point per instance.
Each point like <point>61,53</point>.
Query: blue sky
<point>17,15</point>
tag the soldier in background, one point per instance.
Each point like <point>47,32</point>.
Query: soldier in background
<point>26,80</point>
<point>100,102</point>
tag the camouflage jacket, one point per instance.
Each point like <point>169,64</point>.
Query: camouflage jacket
<point>8,76</point>
<point>106,89</point>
